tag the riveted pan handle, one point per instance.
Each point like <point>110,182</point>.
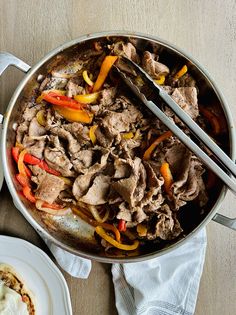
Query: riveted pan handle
<point>228,222</point>
<point>7,60</point>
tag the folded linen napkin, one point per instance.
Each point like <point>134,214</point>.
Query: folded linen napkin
<point>166,285</point>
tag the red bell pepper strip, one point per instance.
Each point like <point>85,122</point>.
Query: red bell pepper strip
<point>15,151</point>
<point>43,165</point>
<point>122,225</point>
<point>62,100</point>
<point>30,159</point>
<point>28,194</point>
<point>24,181</point>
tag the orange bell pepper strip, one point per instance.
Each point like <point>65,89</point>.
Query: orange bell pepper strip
<point>94,223</point>
<point>160,80</point>
<point>28,194</point>
<point>213,120</point>
<point>168,178</point>
<point>181,72</point>
<point>105,68</point>
<point>20,163</point>
<point>73,115</point>
<point>24,181</point>
<point>148,152</point>
<point>101,232</point>
<point>61,100</point>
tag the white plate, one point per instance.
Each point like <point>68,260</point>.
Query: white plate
<point>41,275</point>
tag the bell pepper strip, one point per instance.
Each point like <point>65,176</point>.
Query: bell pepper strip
<point>40,97</point>
<point>43,165</point>
<point>15,151</point>
<point>168,178</point>
<point>86,78</point>
<point>102,233</point>
<point>40,117</point>
<point>181,72</point>
<point>148,152</point>
<point>20,163</point>
<point>122,225</point>
<point>160,80</point>
<point>94,223</point>
<point>19,145</point>
<point>92,135</point>
<point>142,230</point>
<point>32,160</point>
<point>127,135</point>
<point>28,194</point>
<point>105,68</point>
<point>73,115</point>
<point>61,100</point>
<point>86,98</point>
<point>213,120</point>
<point>24,181</point>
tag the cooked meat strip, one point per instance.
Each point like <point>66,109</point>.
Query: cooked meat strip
<point>97,193</point>
<point>49,186</point>
<point>125,49</point>
<point>152,66</point>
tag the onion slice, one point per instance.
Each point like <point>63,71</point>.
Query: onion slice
<point>39,206</point>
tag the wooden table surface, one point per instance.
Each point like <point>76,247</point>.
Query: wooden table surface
<point>207,30</point>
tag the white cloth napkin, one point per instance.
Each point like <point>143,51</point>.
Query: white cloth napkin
<point>166,285</point>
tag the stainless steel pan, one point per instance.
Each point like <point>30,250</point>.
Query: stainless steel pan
<point>75,235</point>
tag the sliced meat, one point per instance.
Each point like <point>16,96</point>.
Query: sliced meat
<point>83,161</point>
<point>49,187</point>
<point>124,213</point>
<point>74,88</point>
<point>35,129</point>
<point>125,49</point>
<point>127,187</point>
<point>33,146</point>
<point>167,226</point>
<point>104,137</point>
<point>122,168</point>
<point>73,144</point>
<point>22,129</point>
<point>107,96</point>
<point>97,193</point>
<point>53,83</point>
<point>152,66</point>
<point>186,98</point>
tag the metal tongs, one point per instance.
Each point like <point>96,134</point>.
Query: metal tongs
<point>154,91</point>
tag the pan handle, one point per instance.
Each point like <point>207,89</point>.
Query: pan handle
<point>7,60</point>
<point>228,222</point>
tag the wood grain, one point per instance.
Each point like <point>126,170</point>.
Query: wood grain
<point>207,30</point>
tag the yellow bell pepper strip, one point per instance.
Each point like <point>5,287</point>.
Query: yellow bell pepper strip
<point>40,97</point>
<point>148,152</point>
<point>168,178</point>
<point>94,223</point>
<point>16,153</point>
<point>127,135</point>
<point>213,120</point>
<point>66,180</point>
<point>87,98</point>
<point>101,232</point>
<point>40,117</point>
<point>92,135</point>
<point>142,230</point>
<point>74,115</point>
<point>105,68</point>
<point>161,80</point>
<point>181,72</point>
<point>61,100</point>
<point>96,215</point>
<point>86,78</point>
